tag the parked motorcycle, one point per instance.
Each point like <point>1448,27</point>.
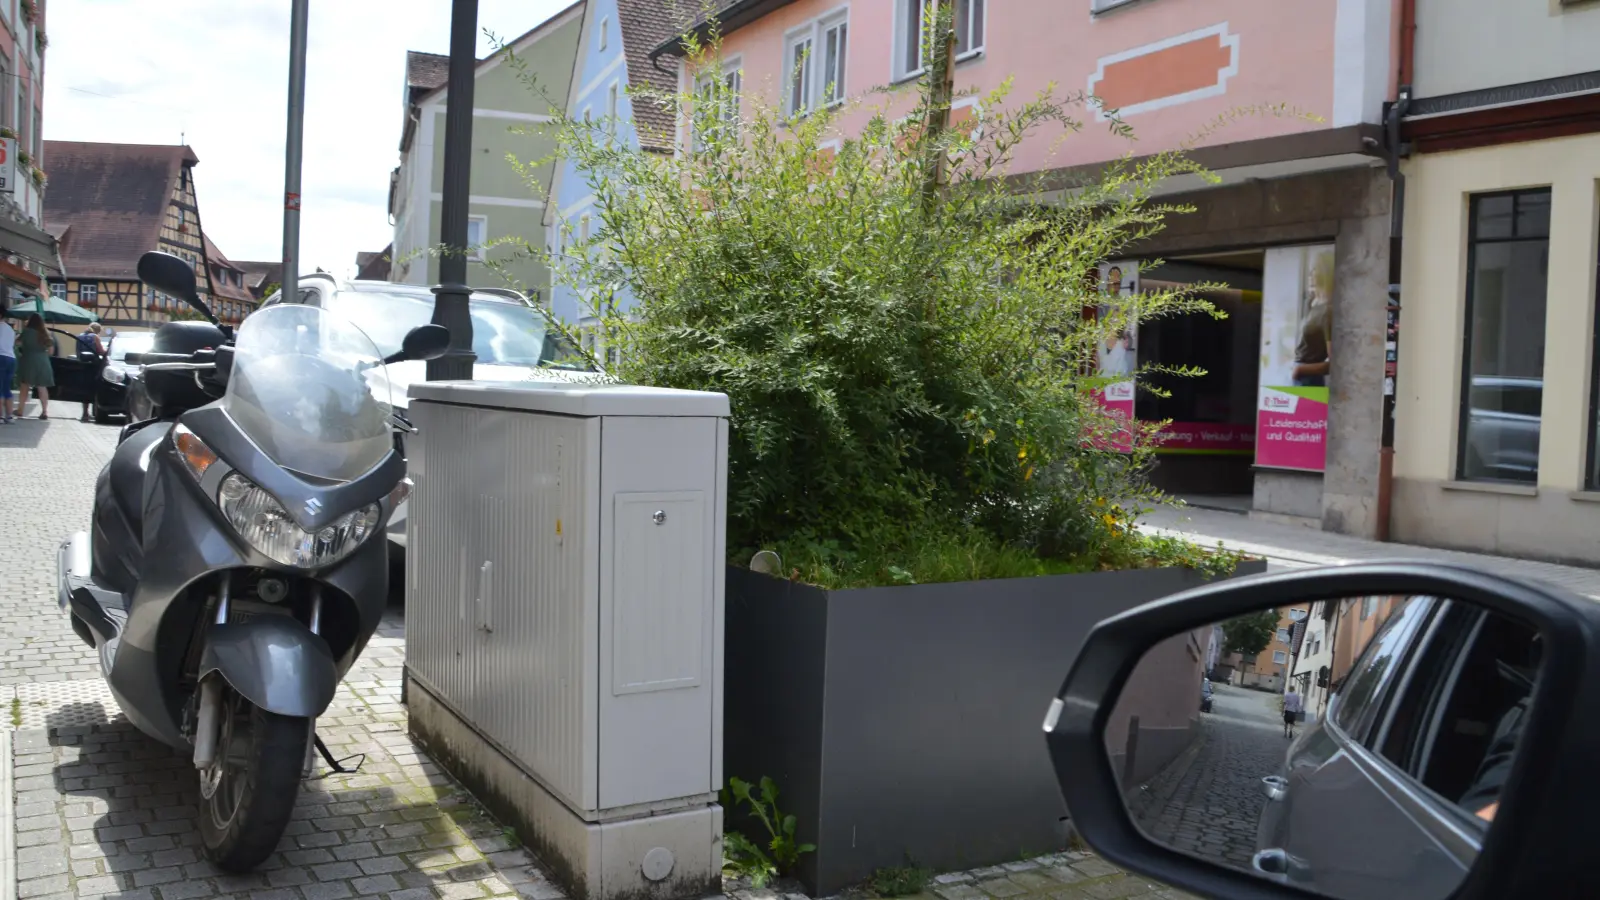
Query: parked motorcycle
<point>236,566</point>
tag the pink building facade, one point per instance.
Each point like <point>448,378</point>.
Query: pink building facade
<point>1301,214</point>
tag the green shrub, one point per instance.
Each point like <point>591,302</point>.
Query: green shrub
<point>899,327</point>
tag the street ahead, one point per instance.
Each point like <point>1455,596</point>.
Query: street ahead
<point>1208,800</point>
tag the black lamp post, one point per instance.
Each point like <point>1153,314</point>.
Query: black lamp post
<point>452,292</point>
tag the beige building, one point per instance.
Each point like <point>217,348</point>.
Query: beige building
<point>1496,445</point>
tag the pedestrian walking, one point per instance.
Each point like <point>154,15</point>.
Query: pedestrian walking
<point>33,366</point>
<point>8,364</point>
<point>1292,705</point>
<point>92,353</point>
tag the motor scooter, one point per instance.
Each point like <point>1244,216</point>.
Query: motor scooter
<point>236,565</point>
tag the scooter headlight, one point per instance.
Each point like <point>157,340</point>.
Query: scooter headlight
<point>265,525</point>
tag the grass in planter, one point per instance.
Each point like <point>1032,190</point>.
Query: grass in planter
<point>937,556</point>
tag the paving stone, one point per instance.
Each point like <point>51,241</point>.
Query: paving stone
<point>960,892</point>
<point>1002,888</point>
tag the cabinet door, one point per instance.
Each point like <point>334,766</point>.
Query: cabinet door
<point>658,484</point>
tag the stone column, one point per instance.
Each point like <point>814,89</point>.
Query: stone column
<point>1355,380</point>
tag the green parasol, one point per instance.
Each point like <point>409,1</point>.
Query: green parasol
<point>55,311</point>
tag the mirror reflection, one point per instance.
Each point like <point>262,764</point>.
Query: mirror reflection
<point>1354,747</point>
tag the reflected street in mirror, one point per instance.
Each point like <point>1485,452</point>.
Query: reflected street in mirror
<point>1354,747</point>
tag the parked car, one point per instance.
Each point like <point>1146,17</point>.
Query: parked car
<point>513,339</point>
<point>1205,695</point>
<point>122,364</point>
<point>1502,439</point>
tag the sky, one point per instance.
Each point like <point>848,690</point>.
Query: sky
<point>215,75</point>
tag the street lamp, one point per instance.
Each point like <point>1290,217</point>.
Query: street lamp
<point>451,294</point>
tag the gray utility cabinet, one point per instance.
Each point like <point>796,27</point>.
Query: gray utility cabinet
<point>565,618</point>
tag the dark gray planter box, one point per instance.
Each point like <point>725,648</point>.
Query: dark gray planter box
<point>903,725</point>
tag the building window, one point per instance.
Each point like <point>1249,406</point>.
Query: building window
<point>612,93</point>
<point>583,229</point>
<point>477,236</point>
<point>58,290</point>
<point>911,18</point>
<point>1280,657</point>
<point>1296,615</point>
<point>1283,635</point>
<point>815,56</point>
<point>720,112</point>
<point>1592,476</point>
<point>1502,390</point>
<point>604,37</point>
<point>87,293</point>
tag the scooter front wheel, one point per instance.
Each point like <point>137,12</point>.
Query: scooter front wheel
<point>248,793</point>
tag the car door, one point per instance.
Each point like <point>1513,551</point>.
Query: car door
<point>1334,824</point>
<point>74,378</point>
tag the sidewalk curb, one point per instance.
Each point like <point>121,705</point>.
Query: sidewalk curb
<point>8,822</point>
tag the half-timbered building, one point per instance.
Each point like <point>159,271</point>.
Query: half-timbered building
<point>107,205</point>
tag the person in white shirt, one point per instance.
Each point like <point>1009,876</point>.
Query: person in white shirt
<point>8,365</point>
<point>1292,705</point>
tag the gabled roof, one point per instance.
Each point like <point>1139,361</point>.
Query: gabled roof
<point>225,287</point>
<point>109,200</point>
<point>374,266</point>
<point>731,15</point>
<point>424,72</point>
<point>259,273</point>
<point>645,25</point>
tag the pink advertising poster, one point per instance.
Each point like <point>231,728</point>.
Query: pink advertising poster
<point>1118,355</point>
<point>1292,412</point>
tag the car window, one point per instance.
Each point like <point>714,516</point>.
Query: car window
<point>136,342</point>
<point>1475,673</point>
<point>1361,696</point>
<point>502,333</point>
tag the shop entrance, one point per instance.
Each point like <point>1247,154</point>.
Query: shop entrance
<point>1210,448</point>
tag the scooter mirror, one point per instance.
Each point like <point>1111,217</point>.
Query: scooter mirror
<point>423,343</point>
<point>170,275</point>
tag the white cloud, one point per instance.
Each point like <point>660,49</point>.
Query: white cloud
<point>216,75</point>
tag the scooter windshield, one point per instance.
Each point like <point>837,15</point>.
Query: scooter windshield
<point>300,388</point>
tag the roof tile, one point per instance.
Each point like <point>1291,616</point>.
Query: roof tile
<point>108,201</point>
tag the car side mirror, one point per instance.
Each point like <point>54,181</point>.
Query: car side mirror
<point>424,342</point>
<point>1450,761</point>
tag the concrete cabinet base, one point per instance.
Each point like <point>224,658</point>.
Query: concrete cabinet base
<point>651,854</point>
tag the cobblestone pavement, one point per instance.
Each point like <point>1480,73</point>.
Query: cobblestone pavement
<point>103,812</point>
<point>1289,546</point>
<point>1208,801</point>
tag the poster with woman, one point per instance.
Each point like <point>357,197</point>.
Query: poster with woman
<point>1296,330</point>
<point>1118,354</point>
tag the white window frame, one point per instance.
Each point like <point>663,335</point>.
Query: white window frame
<point>475,247</point>
<point>1279,657</point>
<point>732,76</point>
<point>605,34</point>
<point>1283,635</point>
<point>815,80</point>
<point>1296,615</point>
<point>904,25</point>
<point>88,293</point>
<point>613,104</point>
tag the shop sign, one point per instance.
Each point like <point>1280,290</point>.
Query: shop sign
<point>1296,330</point>
<point>1207,439</point>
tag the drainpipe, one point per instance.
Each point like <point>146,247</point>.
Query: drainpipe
<point>1396,150</point>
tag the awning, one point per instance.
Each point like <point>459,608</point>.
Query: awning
<point>18,238</point>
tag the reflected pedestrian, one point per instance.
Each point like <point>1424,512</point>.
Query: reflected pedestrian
<point>1292,705</point>
<point>33,365</point>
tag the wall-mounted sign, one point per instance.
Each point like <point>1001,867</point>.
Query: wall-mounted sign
<point>8,165</point>
<point>1296,322</point>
